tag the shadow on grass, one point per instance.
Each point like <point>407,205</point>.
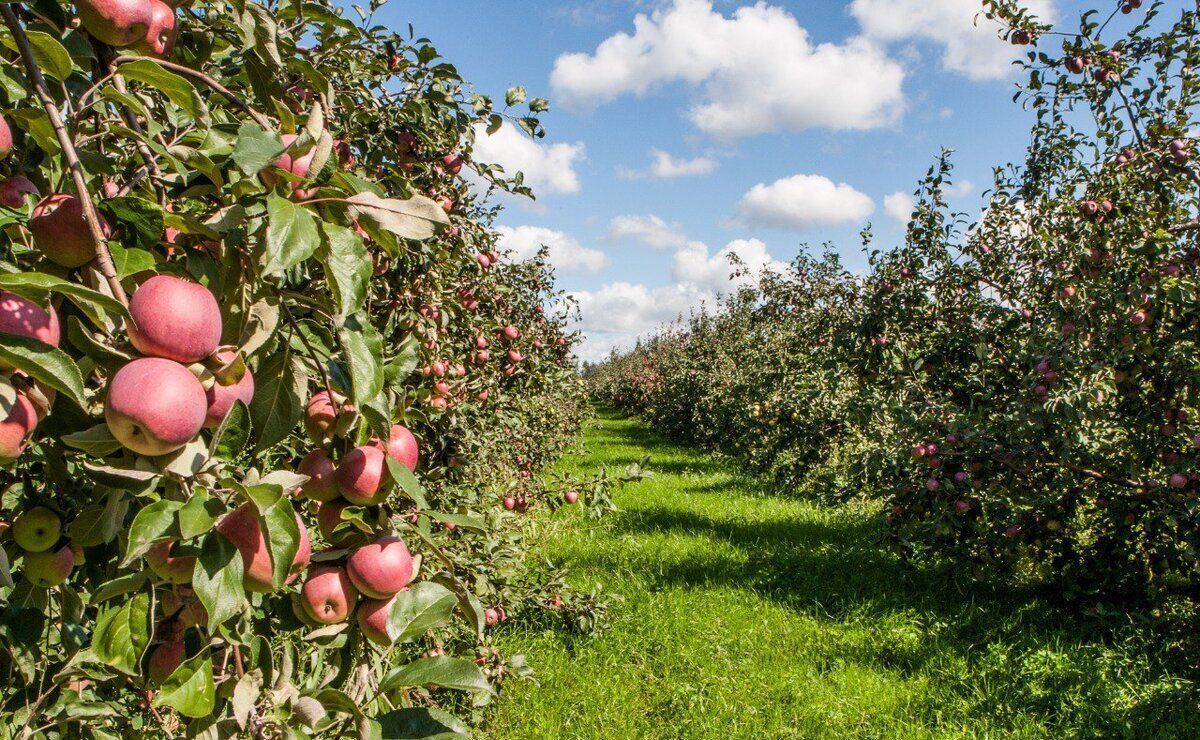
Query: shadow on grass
<point>1003,653</point>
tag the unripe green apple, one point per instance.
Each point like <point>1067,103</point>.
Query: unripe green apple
<point>37,529</point>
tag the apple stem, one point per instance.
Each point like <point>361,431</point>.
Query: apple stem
<point>196,74</point>
<point>70,156</point>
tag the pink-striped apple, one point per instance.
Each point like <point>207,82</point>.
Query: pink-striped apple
<point>242,529</point>
<point>175,319</point>
<point>327,595</point>
<point>155,406</point>
<point>381,568</point>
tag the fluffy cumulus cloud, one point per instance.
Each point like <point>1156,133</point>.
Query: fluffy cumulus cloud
<point>899,205</point>
<point>693,266</point>
<point>566,253</point>
<point>650,230</point>
<point>803,202</point>
<point>615,315</point>
<point>756,71</point>
<point>664,166</point>
<point>548,168</point>
<point>970,43</point>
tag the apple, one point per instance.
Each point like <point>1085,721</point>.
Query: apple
<point>327,595</point>
<point>25,318</point>
<point>37,530</point>
<point>159,40</point>
<point>362,476</point>
<point>511,333</point>
<point>1178,480</point>
<point>16,428</point>
<point>491,616</point>
<point>571,497</point>
<point>222,397</point>
<point>155,406</point>
<point>60,232</point>
<point>116,22</point>
<point>403,448</point>
<point>483,260</point>
<point>175,319</point>
<point>50,568</point>
<point>510,503</point>
<point>373,618</point>
<point>6,140</point>
<point>319,468</point>
<point>164,659</point>
<point>243,531</point>
<point>329,516</point>
<point>14,189</point>
<point>453,163</point>
<point>176,569</point>
<point>322,413</point>
<point>381,568</point>
<point>345,155</point>
<point>298,166</point>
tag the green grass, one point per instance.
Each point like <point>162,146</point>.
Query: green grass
<point>747,614</point>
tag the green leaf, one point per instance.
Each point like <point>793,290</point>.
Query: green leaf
<point>415,218</point>
<point>97,441</point>
<point>37,285</point>
<point>120,586</point>
<point>422,607</point>
<point>408,482</point>
<point>347,266</point>
<point>44,363</point>
<point>123,634</point>
<point>256,148</point>
<point>198,514</point>
<point>190,690</point>
<point>130,261</point>
<point>444,671</point>
<point>154,523</point>
<point>97,525</point>
<point>278,404</point>
<point>177,89</point>
<point>426,723</point>
<point>51,55</point>
<point>291,235</point>
<point>231,438</point>
<point>141,221</point>
<point>217,579</point>
<point>364,353</point>
<point>278,521</point>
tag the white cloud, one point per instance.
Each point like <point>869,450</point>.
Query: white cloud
<point>960,189</point>
<point>802,202</point>
<point>757,71</point>
<point>971,45</point>
<point>548,168</point>
<point>899,205</point>
<point>566,253</point>
<point>664,166</point>
<point>618,313</point>
<point>692,265</point>
<point>650,230</point>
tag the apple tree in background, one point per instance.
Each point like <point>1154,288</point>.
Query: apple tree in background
<point>273,404</point>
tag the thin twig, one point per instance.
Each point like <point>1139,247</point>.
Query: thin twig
<point>70,156</point>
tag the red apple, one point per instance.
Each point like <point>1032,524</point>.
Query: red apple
<point>155,406</point>
<point>176,569</point>
<point>321,415</point>
<point>381,568</point>
<point>373,618</point>
<point>49,568</point>
<point>174,318</point>
<point>116,22</point>
<point>403,448</point>
<point>243,531</point>
<point>222,397</point>
<point>6,140</point>
<point>60,232</point>
<point>298,166</point>
<point>16,428</point>
<point>329,515</point>
<point>362,475</point>
<point>14,189</point>
<point>164,659</point>
<point>327,595</point>
<point>159,40</point>
<point>320,469</point>
<point>23,317</point>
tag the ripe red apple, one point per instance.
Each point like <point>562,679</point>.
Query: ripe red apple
<point>298,166</point>
<point>1178,480</point>
<point>381,568</point>
<point>6,140</point>
<point>372,620</point>
<point>174,318</point>
<point>222,397</point>
<point>155,406</point>
<point>511,333</point>
<point>491,616</point>
<point>571,497</point>
<point>320,470</point>
<point>321,415</point>
<point>14,189</point>
<point>164,659</point>
<point>16,428</point>
<point>159,40</point>
<point>327,595</point>
<point>329,515</point>
<point>453,163</point>
<point>403,448</point>
<point>60,232</point>
<point>483,260</point>
<point>23,317</point>
<point>345,155</point>
<point>37,530</point>
<point>243,531</point>
<point>50,568</point>
<point>176,569</point>
<point>116,22</point>
<point>362,475</point>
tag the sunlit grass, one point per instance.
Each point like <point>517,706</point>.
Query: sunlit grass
<point>752,615</point>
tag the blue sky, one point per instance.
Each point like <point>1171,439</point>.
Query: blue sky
<point>784,123</point>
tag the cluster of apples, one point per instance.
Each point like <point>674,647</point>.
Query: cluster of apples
<point>46,562</point>
<point>367,585</point>
<point>23,317</point>
<point>156,404</point>
<point>146,26</point>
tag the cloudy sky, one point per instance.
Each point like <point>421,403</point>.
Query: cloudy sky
<point>682,131</point>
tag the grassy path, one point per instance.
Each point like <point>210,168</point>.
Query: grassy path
<point>752,615</point>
